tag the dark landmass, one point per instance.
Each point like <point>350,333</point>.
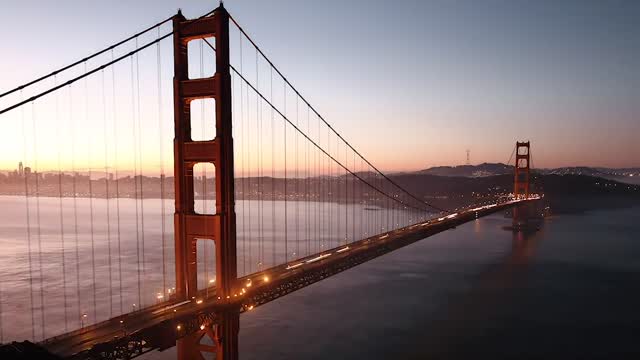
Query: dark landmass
<point>25,350</point>
<point>563,193</point>
<point>484,169</point>
<point>626,175</point>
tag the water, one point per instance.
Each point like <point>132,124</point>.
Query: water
<point>569,291</point>
<point>104,258</point>
<point>476,291</point>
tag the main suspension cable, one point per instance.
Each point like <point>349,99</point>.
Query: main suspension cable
<point>84,75</point>
<point>64,68</point>
<point>323,120</point>
<point>309,139</point>
<point>316,144</point>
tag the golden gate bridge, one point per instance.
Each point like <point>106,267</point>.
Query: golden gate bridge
<point>268,197</point>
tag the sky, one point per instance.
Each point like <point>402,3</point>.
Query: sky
<point>411,84</point>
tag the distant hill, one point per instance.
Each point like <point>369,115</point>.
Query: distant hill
<point>482,170</point>
<point>565,193</point>
<point>625,175</point>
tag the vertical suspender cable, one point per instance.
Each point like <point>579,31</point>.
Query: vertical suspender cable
<point>376,214</point>
<point>60,210</point>
<point>286,214</point>
<point>323,194</point>
<point>93,245</point>
<point>330,194</point>
<point>237,131</point>
<point>273,173</point>
<point>140,165</point>
<point>38,226</point>
<point>75,205</point>
<point>247,180</point>
<point>260,169</point>
<point>107,194</point>
<point>39,232</point>
<point>26,192</point>
<point>346,197</point>
<point>117,178</point>
<point>307,188</point>
<point>245,196</point>
<point>162,174</point>
<point>135,184</point>
<point>318,193</point>
<point>354,182</point>
<point>297,191</point>
<point>390,212</point>
<point>329,180</point>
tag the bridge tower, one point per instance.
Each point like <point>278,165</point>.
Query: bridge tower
<point>521,185</point>
<point>190,226</point>
<point>521,189</point>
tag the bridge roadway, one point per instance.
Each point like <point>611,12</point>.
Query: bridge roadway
<point>158,327</point>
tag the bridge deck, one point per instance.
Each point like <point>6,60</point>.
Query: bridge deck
<point>158,327</point>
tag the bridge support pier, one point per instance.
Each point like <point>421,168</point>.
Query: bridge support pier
<point>223,337</point>
<point>189,225</point>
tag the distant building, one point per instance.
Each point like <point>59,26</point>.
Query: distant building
<point>27,171</point>
<point>20,169</point>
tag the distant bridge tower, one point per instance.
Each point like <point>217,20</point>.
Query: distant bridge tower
<point>219,228</point>
<point>521,189</point>
<point>468,157</point>
<point>521,186</point>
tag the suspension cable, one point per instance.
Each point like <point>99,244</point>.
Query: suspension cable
<point>84,75</point>
<point>138,49</point>
<point>313,142</point>
<point>323,120</point>
<point>64,68</point>
<point>511,157</point>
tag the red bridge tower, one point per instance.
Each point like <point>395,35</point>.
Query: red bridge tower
<point>521,186</point>
<point>190,226</point>
<point>521,189</point>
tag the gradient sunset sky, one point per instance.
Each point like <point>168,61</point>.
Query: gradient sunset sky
<point>412,84</point>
